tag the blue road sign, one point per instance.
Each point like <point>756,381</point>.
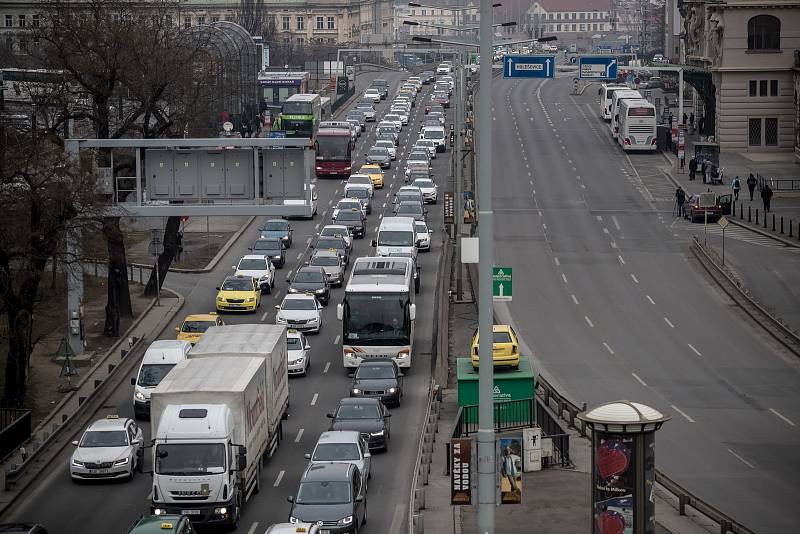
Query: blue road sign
<point>529,66</point>
<point>598,67</point>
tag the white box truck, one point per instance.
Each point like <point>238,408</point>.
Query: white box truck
<point>210,433</point>
<point>266,341</point>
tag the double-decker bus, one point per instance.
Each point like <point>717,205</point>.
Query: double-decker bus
<point>300,115</point>
<point>334,150</point>
<point>378,311</point>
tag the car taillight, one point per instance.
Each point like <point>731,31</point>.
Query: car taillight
<point>616,129</point>
<point>627,141</point>
<point>653,142</point>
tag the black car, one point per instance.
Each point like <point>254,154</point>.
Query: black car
<point>334,243</point>
<point>271,247</point>
<point>367,416</point>
<point>22,528</point>
<point>278,228</point>
<point>332,494</point>
<point>378,379</point>
<point>354,219</point>
<point>312,280</point>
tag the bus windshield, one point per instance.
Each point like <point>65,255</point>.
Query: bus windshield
<point>333,147</point>
<point>377,319</point>
<point>298,108</point>
<point>298,127</point>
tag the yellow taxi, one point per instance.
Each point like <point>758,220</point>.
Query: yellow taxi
<point>239,293</point>
<point>194,326</point>
<point>505,349</point>
<point>375,174</point>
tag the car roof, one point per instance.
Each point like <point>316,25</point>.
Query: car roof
<point>377,363</point>
<point>298,296</point>
<point>325,253</point>
<point>109,423</point>
<point>328,472</point>
<point>277,220</point>
<point>312,268</point>
<point>253,257</point>
<point>155,524</point>
<point>201,317</point>
<point>359,400</point>
<point>339,436</point>
<point>237,277</point>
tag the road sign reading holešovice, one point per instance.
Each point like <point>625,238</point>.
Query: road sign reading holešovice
<point>529,66</point>
<point>501,283</point>
<point>598,67</point>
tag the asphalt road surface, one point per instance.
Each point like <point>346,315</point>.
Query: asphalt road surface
<point>611,306</point>
<point>64,507</point>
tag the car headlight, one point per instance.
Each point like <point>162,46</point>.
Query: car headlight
<point>293,519</point>
<point>251,299</point>
<point>76,463</point>
<point>276,257</point>
<point>297,361</point>
<point>138,395</point>
<point>392,390</point>
<point>222,510</point>
<point>159,511</point>
<point>356,391</point>
<point>122,461</point>
<point>220,298</point>
<point>314,319</point>
<point>279,318</point>
<point>376,434</point>
<point>345,520</point>
<point>320,291</point>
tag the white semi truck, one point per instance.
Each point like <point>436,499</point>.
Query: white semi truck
<point>215,418</point>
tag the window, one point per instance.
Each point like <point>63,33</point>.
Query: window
<point>229,18</point>
<point>301,24</point>
<point>573,27</point>
<point>583,27</point>
<point>201,20</point>
<point>771,131</point>
<point>331,23</point>
<point>424,13</point>
<point>187,22</point>
<point>9,21</point>
<point>753,90</point>
<point>762,87</point>
<point>285,26</point>
<point>214,18</point>
<point>299,41</point>
<point>413,12</point>
<point>558,27</point>
<point>583,16</point>
<point>22,21</point>
<point>754,126</point>
<point>764,33</point>
<point>168,20</point>
<point>553,27</point>
<point>773,88</point>
<point>320,23</point>
<point>35,21</point>
<point>558,16</point>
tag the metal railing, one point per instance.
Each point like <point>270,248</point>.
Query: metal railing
<point>784,184</point>
<point>508,415</point>
<point>15,428</point>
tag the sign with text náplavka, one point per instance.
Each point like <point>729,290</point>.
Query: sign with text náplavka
<point>461,471</point>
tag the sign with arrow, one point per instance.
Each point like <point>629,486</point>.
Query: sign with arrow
<point>529,66</point>
<point>501,283</point>
<point>598,67</point>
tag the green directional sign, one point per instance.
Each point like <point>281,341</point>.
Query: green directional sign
<point>501,283</point>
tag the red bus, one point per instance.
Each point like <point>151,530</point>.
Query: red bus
<point>334,148</point>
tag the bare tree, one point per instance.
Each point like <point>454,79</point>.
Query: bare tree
<point>251,16</point>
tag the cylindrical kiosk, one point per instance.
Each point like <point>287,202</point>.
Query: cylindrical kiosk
<point>623,466</point>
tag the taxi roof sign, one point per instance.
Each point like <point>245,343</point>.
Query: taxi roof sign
<point>167,526</point>
<point>112,416</point>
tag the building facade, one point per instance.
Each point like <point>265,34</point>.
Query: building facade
<point>437,14</point>
<point>748,47</point>
<point>570,19</point>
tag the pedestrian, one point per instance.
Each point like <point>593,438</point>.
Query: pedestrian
<point>680,198</point>
<point>179,248</point>
<point>736,186</point>
<point>766,196</point>
<point>704,170</point>
<point>700,123</point>
<point>692,167</point>
<point>691,121</point>
<point>509,470</point>
<point>684,118</point>
<point>751,185</point>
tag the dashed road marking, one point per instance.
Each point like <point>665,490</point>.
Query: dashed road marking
<point>314,399</point>
<point>608,348</point>
<point>589,321</point>
<point>621,260</point>
<point>279,478</point>
<point>299,435</point>
<point>616,222</point>
<point>574,299</point>
<point>642,382</point>
<point>605,231</point>
<point>556,259</point>
<point>327,366</point>
<point>745,462</point>
<point>264,316</point>
<point>692,347</point>
<point>786,419</point>
<point>564,277</point>
<point>252,528</point>
<point>650,299</point>
<point>666,320</point>
<point>683,414</point>
<point>633,277</point>
<point>299,255</point>
<point>336,341</point>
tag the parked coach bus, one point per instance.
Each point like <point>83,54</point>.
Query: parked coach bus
<point>637,125</point>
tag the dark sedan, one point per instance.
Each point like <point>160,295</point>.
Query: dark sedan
<point>332,496</point>
<point>312,280</point>
<point>412,209</point>
<point>369,417</point>
<point>278,228</point>
<point>273,248</point>
<point>334,243</point>
<point>380,156</point>
<point>697,206</point>
<point>354,219</point>
<point>378,379</point>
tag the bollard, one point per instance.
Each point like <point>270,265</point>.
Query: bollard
<point>756,215</point>
<point>790,228</point>
<point>724,526</point>
<point>419,499</point>
<point>749,215</point>
<point>427,458</point>
<point>773,222</point>
<point>430,428</point>
<point>683,500</point>
<point>765,218</point>
<point>424,475</point>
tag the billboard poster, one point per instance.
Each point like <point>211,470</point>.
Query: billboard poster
<point>614,484</point>
<point>461,471</point>
<point>510,459</point>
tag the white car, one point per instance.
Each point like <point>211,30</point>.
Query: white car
<point>402,113</point>
<point>258,267</point>
<point>372,94</point>
<point>416,80</point>
<point>298,352</point>
<point>443,69</point>
<point>340,230</point>
<point>393,118</point>
<point>343,447</point>
<point>423,235</point>
<point>360,179</point>
<point>108,449</point>
<point>300,311</point>
<point>428,145</point>
<point>388,145</point>
<point>368,110</point>
<point>449,80</point>
<point>429,190</point>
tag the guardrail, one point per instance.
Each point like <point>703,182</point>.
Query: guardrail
<point>508,415</point>
<point>422,465</point>
<point>15,428</point>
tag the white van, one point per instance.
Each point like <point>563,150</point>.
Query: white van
<point>396,235</point>
<point>435,134</point>
<point>606,98</point>
<point>160,357</point>
<point>303,201</point>
<point>617,96</point>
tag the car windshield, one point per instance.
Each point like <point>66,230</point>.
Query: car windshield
<point>104,438</point>
<point>237,284</point>
<point>374,371</point>
<point>300,304</point>
<point>418,156</point>
<point>196,327</point>
<point>378,151</point>
<point>395,238</point>
<point>409,207</point>
<point>385,144</point>
<point>333,231</point>
<point>358,193</point>
<point>421,228</point>
<point>324,261</point>
<point>308,277</point>
<point>358,411</point>
<point>330,452</point>
<point>434,134</point>
<point>414,176</point>
<point>365,108</point>
<point>330,242</point>
<point>501,337</point>
<point>190,458</point>
<point>276,225</point>
<point>293,343</point>
<point>364,180</point>
<point>323,493</point>
<point>348,215</point>
<point>253,264</point>
<point>350,204</point>
<point>150,375</point>
<point>267,244</point>
<point>422,184</point>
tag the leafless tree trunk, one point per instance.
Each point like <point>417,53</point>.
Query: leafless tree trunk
<point>165,258</point>
<point>118,305</point>
<point>251,16</point>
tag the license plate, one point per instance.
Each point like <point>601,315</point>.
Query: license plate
<point>324,532</point>
<point>98,471</point>
<point>190,512</point>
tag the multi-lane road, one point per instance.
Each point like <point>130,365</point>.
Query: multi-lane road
<point>64,507</point>
<point>612,307</point>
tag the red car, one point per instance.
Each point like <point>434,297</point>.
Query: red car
<point>698,205</point>
<point>442,99</point>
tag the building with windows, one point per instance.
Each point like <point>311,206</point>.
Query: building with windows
<point>746,50</point>
<point>442,15</point>
<point>570,19</point>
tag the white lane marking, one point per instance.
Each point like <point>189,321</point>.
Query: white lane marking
<point>556,260</point>
<point>605,231</point>
<point>613,244</point>
<point>279,478</point>
<point>591,324</point>
<point>650,299</point>
<point>380,216</point>
<point>633,276</point>
<point>745,462</point>
<point>544,226</point>
<point>264,316</point>
<point>616,222</point>
<point>299,255</point>
<point>666,320</point>
<point>693,349</point>
<point>336,341</point>
<point>317,226</point>
<point>574,299</point>
<point>773,410</point>
<point>308,241</point>
<point>252,528</point>
<point>621,260</point>
<point>314,399</point>
<point>564,277</point>
<point>608,348</point>
<point>299,435</point>
<point>682,413</point>
<point>599,217</point>
<point>384,204</point>
<point>642,382</point>
<point>327,366</point>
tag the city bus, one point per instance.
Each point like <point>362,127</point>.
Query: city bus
<point>334,151</point>
<point>618,96</point>
<point>606,94</point>
<point>637,125</point>
<point>300,115</point>
<point>378,311</point>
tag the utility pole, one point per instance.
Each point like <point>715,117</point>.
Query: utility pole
<point>458,174</point>
<point>486,447</point>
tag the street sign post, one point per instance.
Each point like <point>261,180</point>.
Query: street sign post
<point>501,283</point>
<point>598,67</point>
<point>723,222</point>
<point>529,66</point>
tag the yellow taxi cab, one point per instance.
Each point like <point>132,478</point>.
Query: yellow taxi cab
<point>375,174</point>
<point>505,349</point>
<point>194,326</point>
<point>239,293</point>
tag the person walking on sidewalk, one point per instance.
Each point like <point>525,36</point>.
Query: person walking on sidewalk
<point>691,122</point>
<point>680,198</point>
<point>692,167</point>
<point>751,185</point>
<point>736,186</point>
<point>704,170</point>
<point>766,196</point>
<point>179,248</point>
